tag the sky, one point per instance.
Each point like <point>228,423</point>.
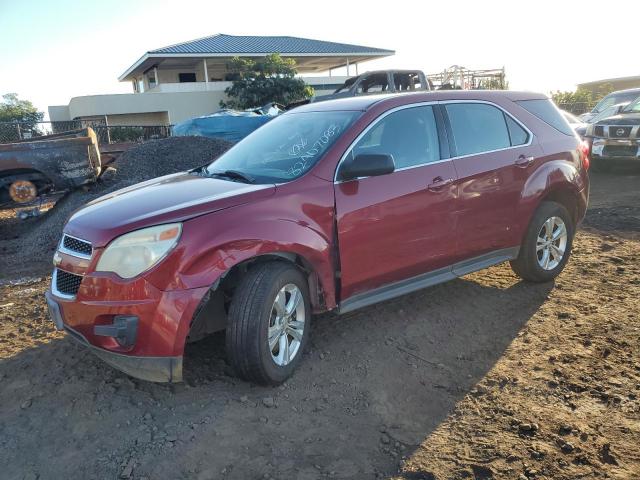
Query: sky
<point>53,50</point>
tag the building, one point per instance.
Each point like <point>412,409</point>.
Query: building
<point>620,83</point>
<point>188,79</point>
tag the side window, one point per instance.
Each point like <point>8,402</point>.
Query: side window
<point>518,135</point>
<point>477,127</point>
<point>409,135</point>
<point>546,111</point>
<point>375,83</point>
<point>407,81</point>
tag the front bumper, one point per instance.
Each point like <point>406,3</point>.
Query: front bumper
<point>153,350</point>
<point>152,369</point>
<point>615,149</point>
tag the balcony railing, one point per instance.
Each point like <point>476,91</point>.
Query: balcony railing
<point>190,87</point>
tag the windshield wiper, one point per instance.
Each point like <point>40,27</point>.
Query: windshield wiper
<point>234,175</point>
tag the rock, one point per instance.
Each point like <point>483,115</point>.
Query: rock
<point>25,404</point>
<point>147,416</point>
<point>563,315</point>
<point>567,447</point>
<point>269,402</point>
<point>385,439</point>
<point>565,429</point>
<point>244,399</point>
<point>607,455</point>
<point>528,427</point>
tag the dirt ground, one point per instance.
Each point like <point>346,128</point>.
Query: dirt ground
<point>484,377</point>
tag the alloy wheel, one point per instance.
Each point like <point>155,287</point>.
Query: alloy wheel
<point>551,243</point>
<point>286,325</point>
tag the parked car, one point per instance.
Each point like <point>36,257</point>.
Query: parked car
<point>59,162</point>
<point>332,206</point>
<point>378,82</point>
<point>615,98</point>
<point>616,139</point>
<point>578,125</point>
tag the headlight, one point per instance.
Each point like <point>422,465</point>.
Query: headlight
<point>133,253</point>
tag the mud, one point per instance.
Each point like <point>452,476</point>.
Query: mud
<point>484,377</point>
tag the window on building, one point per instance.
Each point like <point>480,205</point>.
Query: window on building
<point>186,77</point>
<point>141,85</point>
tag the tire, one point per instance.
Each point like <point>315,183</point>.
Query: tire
<point>253,317</point>
<point>531,261</point>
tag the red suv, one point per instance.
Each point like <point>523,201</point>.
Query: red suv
<point>332,206</point>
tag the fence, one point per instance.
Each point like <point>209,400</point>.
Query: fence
<point>16,131</point>
<point>577,108</point>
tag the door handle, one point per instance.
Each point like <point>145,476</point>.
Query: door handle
<point>439,183</point>
<point>524,162</point>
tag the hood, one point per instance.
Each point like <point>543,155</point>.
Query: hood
<point>172,198</point>
<point>621,119</point>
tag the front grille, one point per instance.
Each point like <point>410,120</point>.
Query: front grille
<point>620,150</point>
<point>67,283</point>
<point>619,132</point>
<point>76,245</point>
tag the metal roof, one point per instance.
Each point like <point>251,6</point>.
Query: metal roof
<point>250,44</point>
<point>310,55</point>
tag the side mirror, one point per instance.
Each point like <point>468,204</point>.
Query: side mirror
<point>366,165</point>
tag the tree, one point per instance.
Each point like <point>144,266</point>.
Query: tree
<point>22,113</point>
<point>12,109</point>
<point>581,100</point>
<point>257,83</point>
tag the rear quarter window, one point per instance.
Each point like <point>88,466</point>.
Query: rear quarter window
<point>546,111</point>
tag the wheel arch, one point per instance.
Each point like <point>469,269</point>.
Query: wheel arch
<point>211,314</point>
<point>558,181</point>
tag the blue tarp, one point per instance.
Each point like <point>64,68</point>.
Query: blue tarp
<point>231,125</point>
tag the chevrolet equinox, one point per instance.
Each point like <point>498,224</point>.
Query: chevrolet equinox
<point>332,206</point>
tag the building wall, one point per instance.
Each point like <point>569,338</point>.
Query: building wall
<point>616,84</point>
<point>158,107</point>
<point>139,119</point>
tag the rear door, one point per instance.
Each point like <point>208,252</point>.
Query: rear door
<point>396,226</point>
<point>494,155</point>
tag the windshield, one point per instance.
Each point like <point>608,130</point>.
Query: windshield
<point>633,107</point>
<point>613,99</point>
<point>283,149</point>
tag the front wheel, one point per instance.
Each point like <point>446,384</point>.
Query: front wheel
<point>547,244</point>
<point>269,322</point>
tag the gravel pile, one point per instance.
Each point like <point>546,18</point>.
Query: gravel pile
<point>29,252</point>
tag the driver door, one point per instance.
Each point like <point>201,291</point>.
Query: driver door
<point>397,226</point>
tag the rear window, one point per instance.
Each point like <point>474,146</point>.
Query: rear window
<point>546,111</point>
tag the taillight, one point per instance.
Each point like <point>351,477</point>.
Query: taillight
<point>584,150</point>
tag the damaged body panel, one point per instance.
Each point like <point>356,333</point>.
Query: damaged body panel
<point>52,163</point>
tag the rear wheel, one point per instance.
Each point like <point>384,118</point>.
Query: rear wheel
<point>268,324</point>
<point>547,244</point>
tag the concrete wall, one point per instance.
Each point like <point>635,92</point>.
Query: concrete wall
<point>161,105</point>
<point>179,106</point>
<point>139,119</point>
